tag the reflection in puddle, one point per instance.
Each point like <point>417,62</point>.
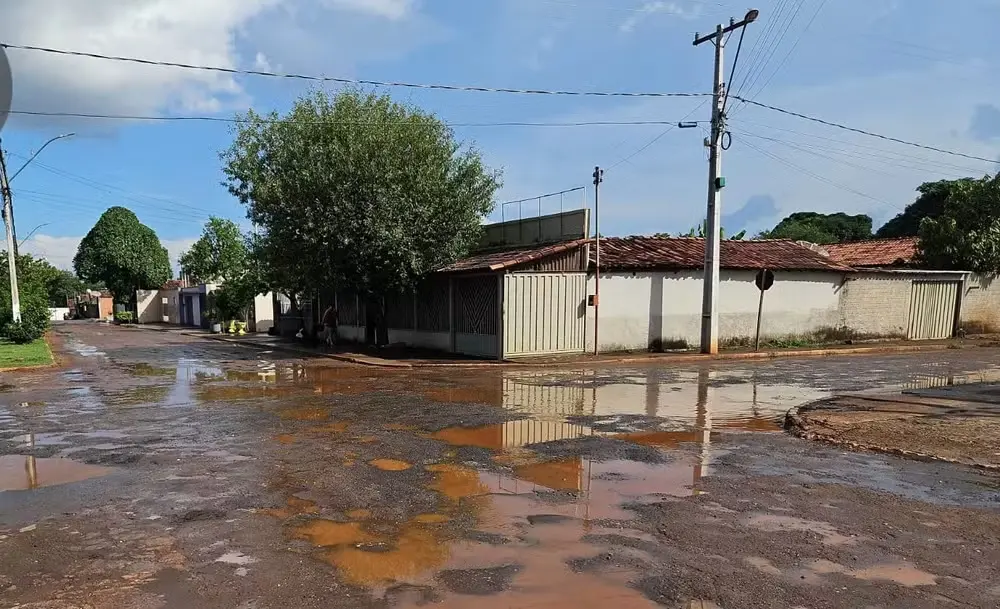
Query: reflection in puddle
<point>327,533</point>
<point>294,507</point>
<point>19,472</point>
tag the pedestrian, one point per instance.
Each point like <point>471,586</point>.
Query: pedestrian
<point>330,325</point>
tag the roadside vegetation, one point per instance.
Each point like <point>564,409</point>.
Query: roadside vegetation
<point>34,353</point>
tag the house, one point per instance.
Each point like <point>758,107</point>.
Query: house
<point>979,310</point>
<point>522,292</point>
<point>651,294</point>
<point>178,303</point>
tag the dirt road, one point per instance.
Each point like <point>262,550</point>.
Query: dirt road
<point>155,470</point>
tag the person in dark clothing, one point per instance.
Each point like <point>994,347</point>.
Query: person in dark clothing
<point>330,325</point>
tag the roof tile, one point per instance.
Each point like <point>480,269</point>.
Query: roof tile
<point>874,252</point>
<point>503,259</point>
<point>681,253</point>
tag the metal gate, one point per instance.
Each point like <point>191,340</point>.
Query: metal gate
<point>932,309</point>
<point>544,313</point>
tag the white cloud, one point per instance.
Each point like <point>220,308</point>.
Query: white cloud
<point>199,32</point>
<point>390,9</point>
<point>657,7</point>
<point>59,251</point>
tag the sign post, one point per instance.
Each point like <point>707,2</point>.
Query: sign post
<point>764,281</point>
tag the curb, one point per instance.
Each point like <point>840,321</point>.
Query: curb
<point>795,425</point>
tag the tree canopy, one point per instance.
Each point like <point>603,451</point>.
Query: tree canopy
<point>39,287</point>
<point>357,191</point>
<point>123,254</point>
<point>965,235</point>
<point>930,204</point>
<point>822,229</point>
<point>219,255</point>
<point>57,285</point>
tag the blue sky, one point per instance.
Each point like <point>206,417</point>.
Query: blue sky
<point>922,70</point>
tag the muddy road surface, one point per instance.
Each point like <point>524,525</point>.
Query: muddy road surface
<point>154,470</point>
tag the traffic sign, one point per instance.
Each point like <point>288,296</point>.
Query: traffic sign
<point>765,279</point>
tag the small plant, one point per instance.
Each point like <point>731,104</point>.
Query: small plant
<point>659,345</point>
<point>124,317</point>
<point>22,333</point>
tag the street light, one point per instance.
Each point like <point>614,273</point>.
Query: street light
<point>44,224</point>
<point>39,151</point>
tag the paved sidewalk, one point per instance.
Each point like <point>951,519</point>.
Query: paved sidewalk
<point>393,358</point>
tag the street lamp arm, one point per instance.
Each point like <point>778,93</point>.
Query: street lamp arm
<point>37,152</point>
<point>32,233</point>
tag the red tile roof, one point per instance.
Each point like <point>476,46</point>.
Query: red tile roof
<point>504,259</point>
<point>874,252</point>
<point>677,253</point>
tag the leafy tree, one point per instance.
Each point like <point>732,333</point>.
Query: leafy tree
<point>123,254</point>
<point>219,255</point>
<point>58,285</point>
<point>33,277</point>
<point>699,232</point>
<point>356,191</point>
<point>930,204</point>
<point>966,234</point>
<point>822,228</point>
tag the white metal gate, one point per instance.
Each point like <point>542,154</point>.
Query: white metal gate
<point>932,309</point>
<point>544,313</point>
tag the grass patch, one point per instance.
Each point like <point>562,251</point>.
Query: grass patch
<point>31,354</point>
<point>822,337</point>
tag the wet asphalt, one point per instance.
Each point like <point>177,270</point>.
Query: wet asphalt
<point>158,470</point>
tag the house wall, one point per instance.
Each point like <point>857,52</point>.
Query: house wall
<point>58,313</point>
<point>263,308</point>
<point>981,304</point>
<point>106,307</point>
<point>876,304</point>
<point>637,308</point>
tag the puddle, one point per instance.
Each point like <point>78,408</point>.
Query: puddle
<point>294,507</point>
<point>142,370</point>
<point>19,472</point>
<point>390,465</point>
<point>306,413</point>
<point>328,533</point>
<point>903,574</point>
<point>285,438</point>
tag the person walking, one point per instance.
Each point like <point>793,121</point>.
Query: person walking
<point>330,325</point>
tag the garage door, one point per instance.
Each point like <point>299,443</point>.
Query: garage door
<point>932,309</point>
<point>544,313</point>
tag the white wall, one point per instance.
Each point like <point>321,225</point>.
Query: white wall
<point>58,313</point>
<point>981,304</point>
<point>636,308</point>
<point>263,307</point>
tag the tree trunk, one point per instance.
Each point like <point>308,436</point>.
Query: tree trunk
<point>383,324</point>
<point>371,322</point>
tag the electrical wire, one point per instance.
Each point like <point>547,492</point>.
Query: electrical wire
<point>663,134</point>
<point>784,27</point>
<point>819,177</point>
<point>732,73</point>
<point>222,119</point>
<point>760,42</point>
<point>887,138</point>
<point>347,81</point>
<point>791,50</point>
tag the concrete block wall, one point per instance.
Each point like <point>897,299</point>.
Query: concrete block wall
<point>876,304</point>
<point>981,304</point>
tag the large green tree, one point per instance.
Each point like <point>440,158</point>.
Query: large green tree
<point>357,191</point>
<point>965,235</point>
<point>220,254</point>
<point>930,204</point>
<point>822,228</point>
<point>58,285</point>
<point>123,254</point>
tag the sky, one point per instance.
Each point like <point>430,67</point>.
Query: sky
<point>920,70</point>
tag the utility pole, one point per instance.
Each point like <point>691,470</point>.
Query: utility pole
<point>713,237</point>
<point>598,178</point>
<point>8,220</point>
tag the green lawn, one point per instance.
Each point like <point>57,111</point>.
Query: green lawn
<point>32,354</point>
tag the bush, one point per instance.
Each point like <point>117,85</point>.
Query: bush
<point>124,317</point>
<point>21,333</point>
<point>34,314</point>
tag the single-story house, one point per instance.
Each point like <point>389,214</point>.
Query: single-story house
<point>186,305</point>
<point>980,294</point>
<point>651,294</point>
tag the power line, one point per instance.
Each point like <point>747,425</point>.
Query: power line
<point>887,138</point>
<point>791,49</point>
<point>222,119</point>
<point>645,146</point>
<point>819,177</point>
<point>347,81</point>
<point>784,27</point>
